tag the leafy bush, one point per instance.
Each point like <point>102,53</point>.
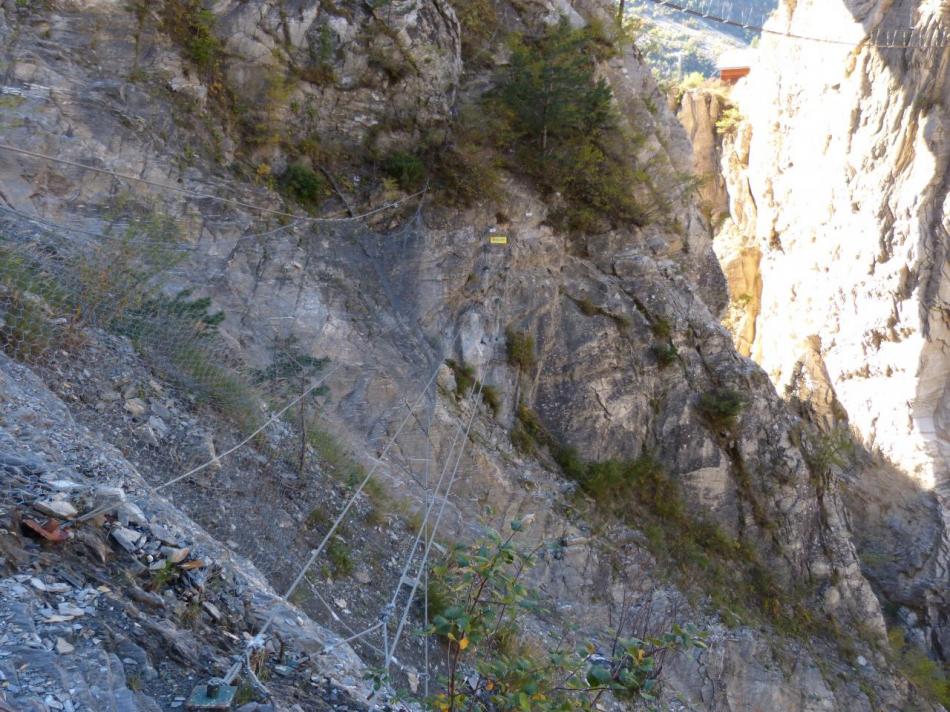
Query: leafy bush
<point>465,173</point>
<point>520,347</point>
<point>925,674</point>
<point>492,398</point>
<point>339,557</point>
<point>464,376</point>
<point>729,122</point>
<point>465,381</point>
<point>303,185</point>
<point>192,27</point>
<point>407,169</point>
<point>561,123</point>
<point>587,307</point>
<point>721,405</point>
<point>480,24</point>
<point>665,354</point>
<point>481,595</point>
<point>700,556</point>
<point>27,330</point>
<point>661,327</point>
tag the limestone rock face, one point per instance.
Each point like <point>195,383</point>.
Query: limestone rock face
<point>836,254</point>
<point>845,170</point>
<point>388,299</point>
<point>347,68</point>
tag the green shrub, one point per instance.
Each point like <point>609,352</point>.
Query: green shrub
<point>729,122</point>
<point>721,405</point>
<point>334,458</point>
<point>661,327</point>
<point>925,674</point>
<point>563,130</point>
<point>521,440</point>
<point>481,597</point>
<point>465,381</point>
<point>531,425</point>
<point>587,307</point>
<point>405,168</point>
<point>26,332</point>
<point>480,25</point>
<point>192,27</point>
<point>303,185</point>
<point>520,347</point>
<point>492,398</point>
<point>665,354</point>
<point>464,376</point>
<point>465,173</point>
<point>339,556</point>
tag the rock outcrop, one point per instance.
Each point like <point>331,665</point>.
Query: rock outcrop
<point>629,349</point>
<point>836,253</point>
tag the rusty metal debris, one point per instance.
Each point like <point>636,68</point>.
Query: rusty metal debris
<point>50,530</point>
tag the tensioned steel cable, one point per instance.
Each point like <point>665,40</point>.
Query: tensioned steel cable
<point>208,196</point>
<point>431,539</point>
<point>708,15</point>
<point>352,500</point>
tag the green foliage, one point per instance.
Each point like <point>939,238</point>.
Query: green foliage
<point>320,70</point>
<point>244,694</point>
<point>406,169</point>
<point>729,122</point>
<point>826,450</point>
<point>661,327</point>
<point>480,25</point>
<point>480,595</point>
<point>665,354</point>
<point>465,172</point>
<point>529,431</point>
<point>560,123</point>
<point>303,185</point>
<point>163,577</point>
<point>339,556</point>
<point>179,335</point>
<point>699,555</point>
<point>721,406</point>
<point>925,674</point>
<point>333,457</point>
<point>465,381</point>
<point>212,380</point>
<point>492,398</point>
<point>464,376</point>
<point>27,331</point>
<point>587,307</point>
<point>290,366</point>
<point>192,27</point>
<point>521,350</point>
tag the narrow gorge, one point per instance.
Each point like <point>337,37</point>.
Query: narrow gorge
<point>300,300</point>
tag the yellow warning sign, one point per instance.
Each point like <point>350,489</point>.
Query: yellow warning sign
<point>497,239</point>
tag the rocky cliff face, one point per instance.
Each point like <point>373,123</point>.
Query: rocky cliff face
<point>835,250</point>
<point>629,349</point>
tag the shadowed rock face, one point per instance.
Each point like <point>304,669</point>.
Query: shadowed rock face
<point>391,299</point>
<point>836,255</point>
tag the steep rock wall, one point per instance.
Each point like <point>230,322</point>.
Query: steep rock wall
<point>836,251</point>
<point>388,306</point>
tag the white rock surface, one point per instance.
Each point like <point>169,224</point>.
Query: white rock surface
<point>839,230</point>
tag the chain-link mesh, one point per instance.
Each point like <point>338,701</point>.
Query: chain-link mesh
<point>112,321</point>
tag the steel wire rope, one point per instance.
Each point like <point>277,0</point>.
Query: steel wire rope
<point>349,504</point>
<point>209,196</point>
<point>705,15</point>
<point>472,402</point>
<point>448,490</point>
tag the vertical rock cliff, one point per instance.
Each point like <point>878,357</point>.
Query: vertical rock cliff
<point>836,253</point>
<point>738,523</point>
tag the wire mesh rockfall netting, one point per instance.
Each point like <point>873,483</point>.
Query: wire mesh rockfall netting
<point>112,320</point>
